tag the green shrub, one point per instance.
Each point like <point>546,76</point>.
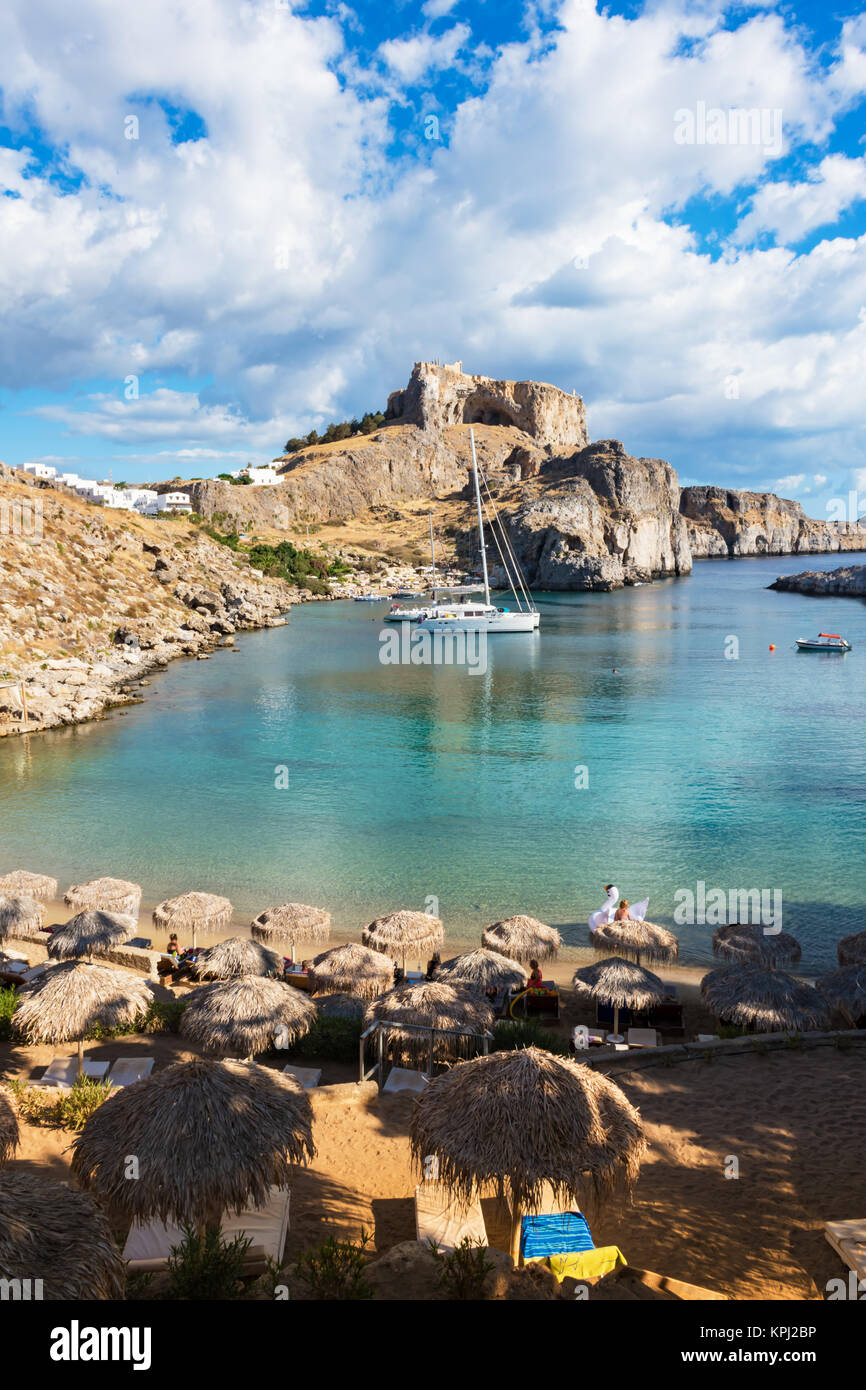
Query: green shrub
<point>335,1269</point>
<point>163,1016</point>
<point>335,1039</point>
<point>208,1266</point>
<point>510,1033</point>
<point>8,1005</point>
<point>74,1107</point>
<point>464,1270</point>
<point>30,1102</point>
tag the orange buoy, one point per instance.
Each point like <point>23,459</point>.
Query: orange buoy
<point>772,648</point>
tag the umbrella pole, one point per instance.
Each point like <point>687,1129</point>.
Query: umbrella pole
<point>514,1243</point>
<point>80,1056</point>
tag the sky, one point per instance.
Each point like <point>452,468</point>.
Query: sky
<point>226,223</point>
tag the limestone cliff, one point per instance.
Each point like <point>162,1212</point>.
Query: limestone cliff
<point>596,520</point>
<point>847,582</point>
<point>721,521</point>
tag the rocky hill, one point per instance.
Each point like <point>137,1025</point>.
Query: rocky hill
<point>847,582</point>
<point>91,600</point>
<point>723,522</point>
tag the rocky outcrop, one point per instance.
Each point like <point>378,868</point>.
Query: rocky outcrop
<point>721,521</point>
<point>91,601</point>
<point>597,520</point>
<point>846,582</point>
<point>440,396</point>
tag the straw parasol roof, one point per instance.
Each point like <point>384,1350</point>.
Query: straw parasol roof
<point>110,894</point>
<point>20,883</point>
<point>636,939</point>
<point>292,922</point>
<point>9,1135</point>
<point>769,999</point>
<point>53,1233</point>
<point>193,912</point>
<point>430,1005</point>
<point>20,913</point>
<point>237,956</point>
<point>745,942</point>
<point>241,1016</point>
<point>352,969</point>
<point>209,1137</point>
<point>399,932</point>
<point>526,1121</point>
<point>482,970</point>
<point>339,1006</point>
<point>522,938</point>
<point>852,949</point>
<point>89,934</point>
<point>618,982</point>
<point>72,998</point>
<point>845,990</point>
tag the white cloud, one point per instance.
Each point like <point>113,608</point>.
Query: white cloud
<point>791,210</point>
<point>293,263</point>
<point>820,480</point>
<point>409,59</point>
<point>435,9</point>
<point>793,483</point>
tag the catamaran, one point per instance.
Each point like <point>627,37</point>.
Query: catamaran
<point>458,612</point>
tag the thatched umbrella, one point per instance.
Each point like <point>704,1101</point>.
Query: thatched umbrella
<point>209,1137</point>
<point>339,1006</point>
<point>432,1006</point>
<point>743,943</point>
<point>242,1015</point>
<point>9,1134</point>
<point>845,990</point>
<point>399,932</point>
<point>482,970</point>
<point>352,969</point>
<point>292,922</point>
<point>771,1000</point>
<point>527,1121</point>
<point>20,883</point>
<point>237,956</point>
<point>51,1232</point>
<point>193,912</point>
<point>852,949</point>
<point>71,998</point>
<point>109,894</point>
<point>522,938</point>
<point>20,913</point>
<point>635,940</point>
<point>619,982</point>
<point>89,934</point>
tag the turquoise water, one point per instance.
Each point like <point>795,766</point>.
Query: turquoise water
<point>414,783</point>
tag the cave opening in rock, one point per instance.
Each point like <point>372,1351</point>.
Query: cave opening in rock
<point>476,412</point>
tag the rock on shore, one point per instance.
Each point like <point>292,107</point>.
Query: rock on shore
<point>847,582</point>
<point>721,521</point>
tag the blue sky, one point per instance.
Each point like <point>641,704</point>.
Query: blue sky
<point>226,223</point>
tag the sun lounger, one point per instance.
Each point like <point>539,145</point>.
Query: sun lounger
<point>445,1222</point>
<point>848,1239</point>
<point>309,1077</point>
<point>62,1072</point>
<point>642,1037</point>
<point>404,1079</point>
<point>563,1240</point>
<point>126,1070</point>
<point>148,1247</point>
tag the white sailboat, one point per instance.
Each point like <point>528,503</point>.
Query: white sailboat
<point>456,615</point>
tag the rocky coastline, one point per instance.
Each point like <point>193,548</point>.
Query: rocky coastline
<point>849,581</point>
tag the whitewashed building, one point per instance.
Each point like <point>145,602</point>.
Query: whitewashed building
<point>259,477</point>
<point>174,502</point>
<point>40,470</point>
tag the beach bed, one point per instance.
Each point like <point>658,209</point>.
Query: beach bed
<point>404,1079</point>
<point>62,1073</point>
<point>642,1037</point>
<point>127,1070</point>
<point>309,1077</point>
<point>443,1221</point>
<point>848,1239</point>
<point>148,1247</point>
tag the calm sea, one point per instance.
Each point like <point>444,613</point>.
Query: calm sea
<point>414,786</point>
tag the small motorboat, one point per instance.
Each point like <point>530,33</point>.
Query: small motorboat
<point>824,642</point>
<point>370,598</point>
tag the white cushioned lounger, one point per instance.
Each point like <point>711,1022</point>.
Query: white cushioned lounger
<point>148,1247</point>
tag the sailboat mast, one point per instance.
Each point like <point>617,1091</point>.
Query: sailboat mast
<point>480,519</point>
<point>432,556</point>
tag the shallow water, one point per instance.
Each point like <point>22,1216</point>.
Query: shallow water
<point>414,786</point>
